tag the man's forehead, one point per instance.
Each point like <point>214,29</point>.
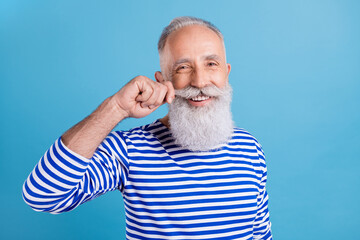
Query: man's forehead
<point>194,38</point>
<point>190,32</point>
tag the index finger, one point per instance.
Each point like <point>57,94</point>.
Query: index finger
<point>170,95</point>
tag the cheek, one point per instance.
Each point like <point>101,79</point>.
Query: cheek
<point>220,79</point>
<point>180,82</point>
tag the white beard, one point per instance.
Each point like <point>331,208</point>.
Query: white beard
<point>201,128</point>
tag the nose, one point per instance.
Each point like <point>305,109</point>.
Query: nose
<point>199,78</point>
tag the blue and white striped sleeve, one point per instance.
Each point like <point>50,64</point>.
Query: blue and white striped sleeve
<point>62,180</point>
<point>262,225</point>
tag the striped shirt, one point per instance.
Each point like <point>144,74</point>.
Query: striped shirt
<point>169,192</point>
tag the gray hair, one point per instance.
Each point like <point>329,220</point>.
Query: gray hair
<point>181,22</point>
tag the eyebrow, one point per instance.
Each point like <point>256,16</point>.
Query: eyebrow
<point>212,57</point>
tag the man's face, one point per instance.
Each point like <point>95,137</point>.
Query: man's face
<point>193,59</point>
<point>195,56</point>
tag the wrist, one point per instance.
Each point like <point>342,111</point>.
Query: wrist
<point>116,109</point>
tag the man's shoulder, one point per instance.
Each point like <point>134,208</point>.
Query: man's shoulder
<point>243,137</point>
<point>241,133</point>
<point>144,130</point>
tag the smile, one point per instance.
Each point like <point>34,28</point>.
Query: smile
<point>200,98</point>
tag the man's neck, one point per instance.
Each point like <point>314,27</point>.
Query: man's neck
<point>165,121</point>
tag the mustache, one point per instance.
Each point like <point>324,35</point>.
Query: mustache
<point>191,92</point>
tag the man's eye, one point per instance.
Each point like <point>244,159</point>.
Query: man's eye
<point>212,64</point>
<point>182,68</point>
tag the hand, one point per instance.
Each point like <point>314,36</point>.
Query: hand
<point>141,96</point>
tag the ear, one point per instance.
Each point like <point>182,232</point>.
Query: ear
<point>159,77</point>
<point>228,68</point>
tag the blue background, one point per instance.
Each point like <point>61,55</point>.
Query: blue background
<point>296,79</point>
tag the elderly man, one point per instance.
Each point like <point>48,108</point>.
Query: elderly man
<point>189,175</point>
